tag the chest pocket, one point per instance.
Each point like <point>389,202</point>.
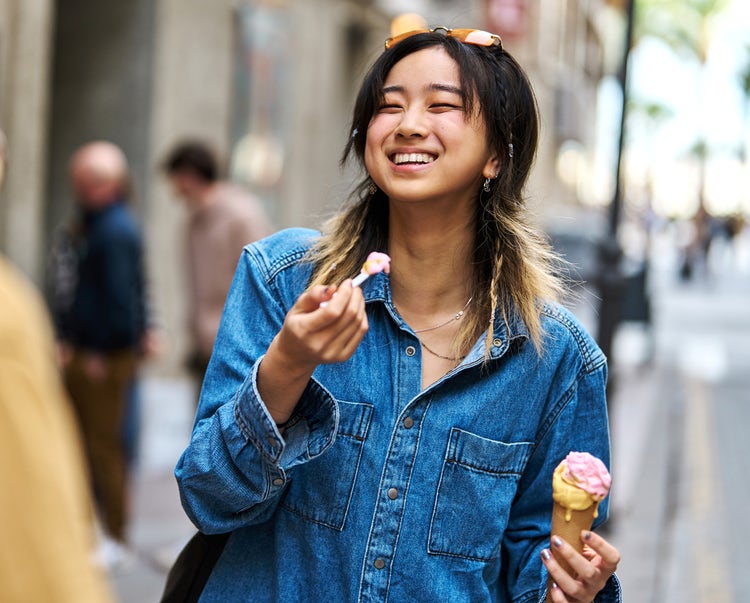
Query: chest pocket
<point>321,490</point>
<point>477,485</point>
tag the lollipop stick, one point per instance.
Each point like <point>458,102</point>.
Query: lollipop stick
<point>359,279</point>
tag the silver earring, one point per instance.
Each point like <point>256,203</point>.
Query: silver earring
<point>486,185</point>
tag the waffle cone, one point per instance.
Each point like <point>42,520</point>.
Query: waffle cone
<point>570,531</point>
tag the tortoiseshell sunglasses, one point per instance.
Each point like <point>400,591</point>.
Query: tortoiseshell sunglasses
<point>467,36</point>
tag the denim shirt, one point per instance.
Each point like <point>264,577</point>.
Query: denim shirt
<point>379,490</point>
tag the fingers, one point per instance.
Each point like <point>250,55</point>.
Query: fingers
<point>327,334</point>
<point>311,299</point>
<point>589,575</point>
<point>343,335</point>
<point>608,554</point>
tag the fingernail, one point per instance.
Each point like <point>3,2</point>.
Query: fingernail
<point>554,585</point>
<point>546,555</point>
<point>586,535</point>
<point>557,542</point>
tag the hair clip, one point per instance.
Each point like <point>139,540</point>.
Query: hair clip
<point>510,150</point>
<point>354,132</point>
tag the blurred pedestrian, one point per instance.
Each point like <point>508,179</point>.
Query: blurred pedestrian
<point>102,326</point>
<point>46,511</point>
<point>223,219</point>
<point>396,441</point>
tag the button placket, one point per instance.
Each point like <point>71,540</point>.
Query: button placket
<point>390,508</point>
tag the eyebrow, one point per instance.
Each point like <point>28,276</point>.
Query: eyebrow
<point>432,87</point>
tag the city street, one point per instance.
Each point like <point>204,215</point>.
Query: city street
<point>679,414</point>
<point>678,429</point>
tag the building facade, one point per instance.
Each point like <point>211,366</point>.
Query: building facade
<point>270,82</point>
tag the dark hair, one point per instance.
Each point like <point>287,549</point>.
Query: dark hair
<point>491,80</point>
<point>193,156</point>
<point>513,263</point>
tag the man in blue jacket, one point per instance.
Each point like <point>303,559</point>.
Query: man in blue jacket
<point>103,322</point>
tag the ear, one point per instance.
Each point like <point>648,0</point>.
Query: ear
<point>492,167</point>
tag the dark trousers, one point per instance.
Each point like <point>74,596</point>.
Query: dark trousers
<point>99,405</point>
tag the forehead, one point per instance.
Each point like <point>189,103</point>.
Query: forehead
<point>427,66</point>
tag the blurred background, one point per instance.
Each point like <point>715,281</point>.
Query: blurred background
<point>642,181</point>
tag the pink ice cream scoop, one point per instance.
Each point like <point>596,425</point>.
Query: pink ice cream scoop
<point>376,262</point>
<point>588,473</point>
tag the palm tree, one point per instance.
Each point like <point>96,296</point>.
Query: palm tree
<point>685,25</point>
<point>744,81</point>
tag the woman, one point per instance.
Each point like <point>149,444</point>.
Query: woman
<point>397,442</point>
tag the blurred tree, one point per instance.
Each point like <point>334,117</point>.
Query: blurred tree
<point>744,81</point>
<point>651,116</point>
<point>686,26</point>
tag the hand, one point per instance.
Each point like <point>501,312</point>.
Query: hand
<point>152,344</point>
<point>592,568</point>
<point>313,335</point>
<point>95,367</point>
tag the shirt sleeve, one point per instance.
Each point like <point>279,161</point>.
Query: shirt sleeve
<point>237,463</point>
<point>579,423</point>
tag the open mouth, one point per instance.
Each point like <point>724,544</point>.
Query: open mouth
<point>412,158</point>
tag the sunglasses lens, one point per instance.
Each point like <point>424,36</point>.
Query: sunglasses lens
<point>477,36</point>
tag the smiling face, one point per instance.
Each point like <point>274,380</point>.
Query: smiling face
<point>421,144</point>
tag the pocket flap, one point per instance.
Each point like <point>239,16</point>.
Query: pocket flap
<point>484,454</point>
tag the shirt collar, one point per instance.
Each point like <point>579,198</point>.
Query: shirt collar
<point>377,288</point>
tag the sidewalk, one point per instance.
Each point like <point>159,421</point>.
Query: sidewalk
<point>159,527</point>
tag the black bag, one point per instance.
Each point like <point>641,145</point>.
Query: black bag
<point>192,568</point>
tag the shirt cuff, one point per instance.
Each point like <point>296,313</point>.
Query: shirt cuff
<point>310,431</point>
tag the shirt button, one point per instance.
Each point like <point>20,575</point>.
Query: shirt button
<point>497,343</point>
<point>392,493</point>
<point>379,563</point>
<point>410,350</point>
<point>278,482</point>
<point>408,422</point>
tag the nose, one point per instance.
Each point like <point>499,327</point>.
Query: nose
<point>412,124</point>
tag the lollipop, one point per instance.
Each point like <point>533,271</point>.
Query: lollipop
<point>375,262</point>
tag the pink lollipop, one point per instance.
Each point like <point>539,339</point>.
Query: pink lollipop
<point>376,262</point>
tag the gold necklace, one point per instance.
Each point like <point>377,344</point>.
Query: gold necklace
<point>434,353</point>
<point>457,316</point>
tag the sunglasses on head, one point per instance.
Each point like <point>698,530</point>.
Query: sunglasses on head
<point>467,36</point>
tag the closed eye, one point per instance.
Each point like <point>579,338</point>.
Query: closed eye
<point>446,107</point>
<point>389,108</point>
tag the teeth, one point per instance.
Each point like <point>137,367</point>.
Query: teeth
<point>400,158</point>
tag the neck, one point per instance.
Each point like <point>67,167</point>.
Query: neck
<point>431,253</point>
<point>204,195</point>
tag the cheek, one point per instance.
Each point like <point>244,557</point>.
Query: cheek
<point>373,142</point>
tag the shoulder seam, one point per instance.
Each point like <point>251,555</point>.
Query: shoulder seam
<point>591,361</point>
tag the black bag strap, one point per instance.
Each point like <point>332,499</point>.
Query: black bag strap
<point>193,567</point>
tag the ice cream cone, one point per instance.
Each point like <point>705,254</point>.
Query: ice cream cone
<point>570,530</point>
<point>579,484</point>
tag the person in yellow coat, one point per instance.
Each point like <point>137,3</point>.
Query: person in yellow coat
<point>46,514</point>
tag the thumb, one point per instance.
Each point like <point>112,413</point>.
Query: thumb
<point>311,299</point>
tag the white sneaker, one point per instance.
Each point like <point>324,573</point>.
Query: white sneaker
<point>112,555</point>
